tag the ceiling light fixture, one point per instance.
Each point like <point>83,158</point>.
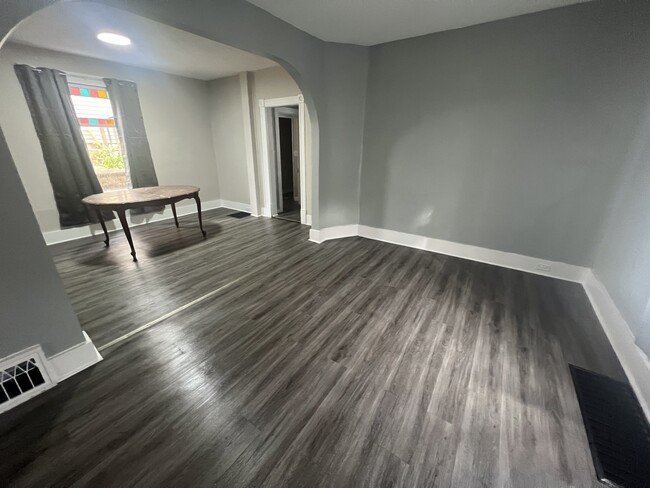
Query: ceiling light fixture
<point>112,38</point>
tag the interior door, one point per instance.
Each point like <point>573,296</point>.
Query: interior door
<point>286,173</point>
<point>295,128</point>
<point>278,163</point>
<point>285,113</point>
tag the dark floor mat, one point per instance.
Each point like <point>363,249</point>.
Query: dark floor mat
<point>239,215</point>
<point>618,432</point>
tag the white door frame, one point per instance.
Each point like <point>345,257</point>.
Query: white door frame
<point>268,153</point>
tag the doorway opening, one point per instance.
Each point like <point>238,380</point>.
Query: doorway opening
<point>283,158</point>
<point>201,129</point>
<point>287,158</point>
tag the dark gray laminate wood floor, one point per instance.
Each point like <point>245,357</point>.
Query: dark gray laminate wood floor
<point>293,215</point>
<point>345,364</point>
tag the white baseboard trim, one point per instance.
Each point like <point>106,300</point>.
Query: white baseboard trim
<point>519,262</point>
<point>73,360</point>
<point>240,207</point>
<point>337,232</point>
<point>634,361</point>
<point>308,219</point>
<point>64,235</point>
<point>510,260</point>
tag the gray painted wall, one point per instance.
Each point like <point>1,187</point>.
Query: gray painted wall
<point>332,78</point>
<point>227,123</point>
<point>623,257</point>
<point>622,260</point>
<point>34,308</point>
<point>337,190</point>
<point>507,135</point>
<point>176,116</point>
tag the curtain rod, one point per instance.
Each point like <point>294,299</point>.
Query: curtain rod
<point>67,73</point>
<point>83,76</point>
<point>99,79</point>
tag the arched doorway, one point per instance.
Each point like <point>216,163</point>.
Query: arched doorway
<point>200,118</point>
<point>331,78</point>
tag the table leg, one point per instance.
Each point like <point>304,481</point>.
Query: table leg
<point>198,209</point>
<point>174,212</point>
<point>125,227</point>
<point>101,221</point>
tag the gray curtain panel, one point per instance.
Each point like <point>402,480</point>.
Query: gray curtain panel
<point>128,114</point>
<point>68,165</point>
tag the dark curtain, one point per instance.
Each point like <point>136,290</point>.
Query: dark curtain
<point>128,114</point>
<point>68,165</point>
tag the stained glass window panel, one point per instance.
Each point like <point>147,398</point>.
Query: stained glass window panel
<point>95,114</point>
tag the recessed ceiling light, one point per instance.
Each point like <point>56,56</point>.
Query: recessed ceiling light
<point>112,38</point>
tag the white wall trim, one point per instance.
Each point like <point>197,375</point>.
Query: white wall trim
<point>240,207</point>
<point>302,142</point>
<point>75,359</point>
<point>64,235</point>
<point>281,102</point>
<point>490,256</point>
<point>307,218</point>
<point>634,361</point>
<point>329,233</point>
<point>510,260</point>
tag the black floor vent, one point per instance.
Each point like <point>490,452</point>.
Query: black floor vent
<point>239,215</point>
<point>618,432</point>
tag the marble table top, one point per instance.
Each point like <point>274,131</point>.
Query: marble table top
<point>140,195</point>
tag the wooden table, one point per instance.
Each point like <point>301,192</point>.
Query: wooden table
<point>123,200</point>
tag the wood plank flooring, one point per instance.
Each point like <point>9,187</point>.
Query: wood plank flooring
<point>349,363</point>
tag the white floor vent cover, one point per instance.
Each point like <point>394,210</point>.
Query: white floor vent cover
<point>22,376</point>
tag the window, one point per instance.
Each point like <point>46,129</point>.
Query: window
<point>95,113</point>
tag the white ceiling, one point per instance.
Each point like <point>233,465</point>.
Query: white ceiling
<point>72,27</point>
<point>369,22</point>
